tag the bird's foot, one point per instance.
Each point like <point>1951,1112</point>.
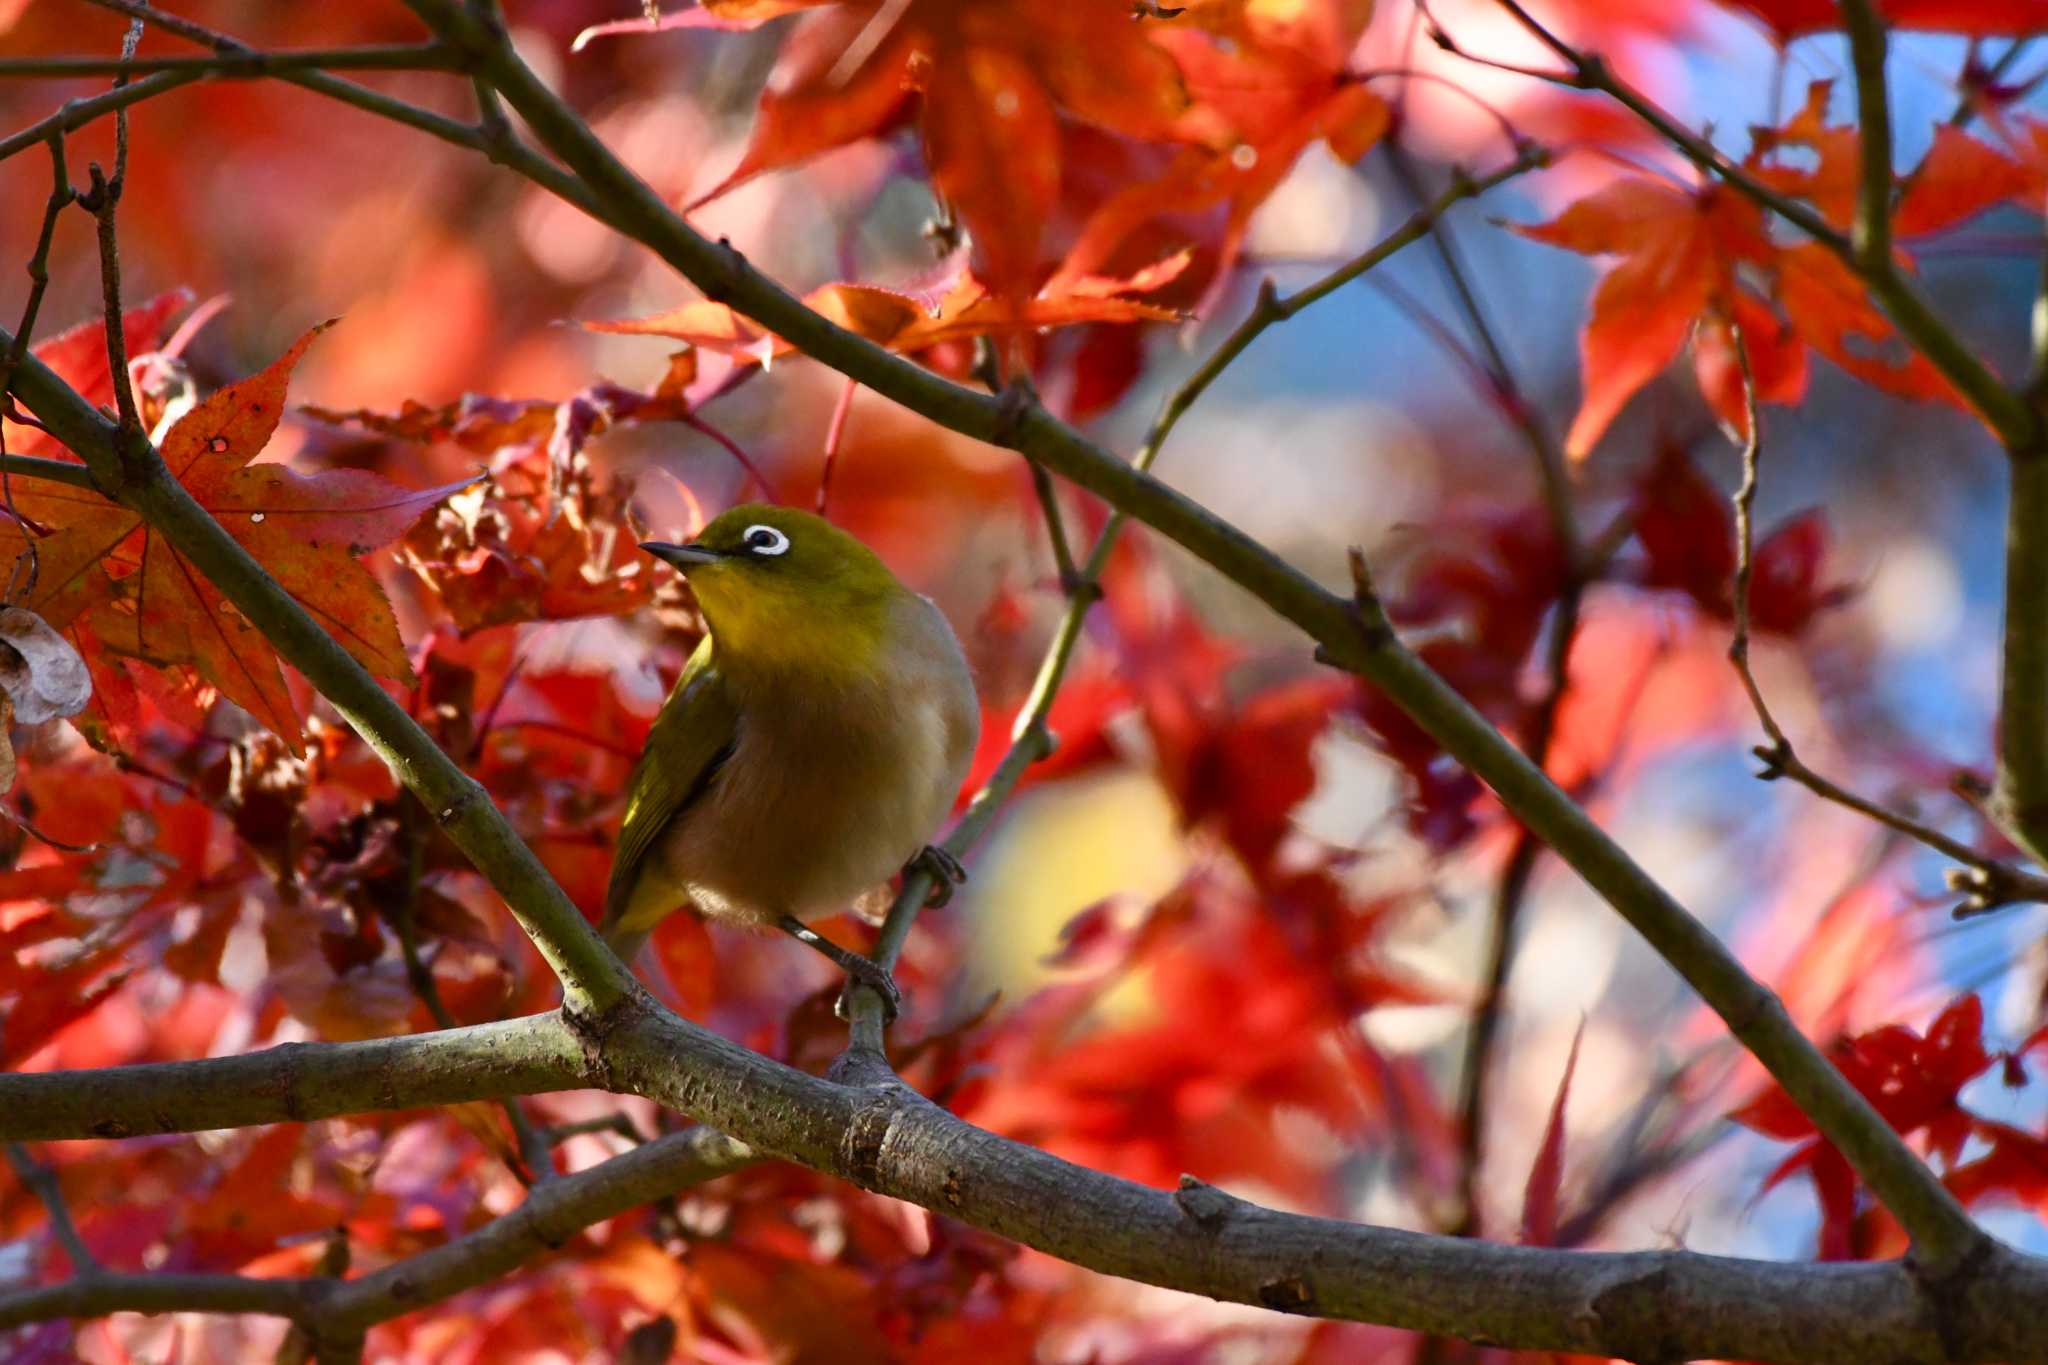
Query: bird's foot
<point>861,971</point>
<point>946,873</point>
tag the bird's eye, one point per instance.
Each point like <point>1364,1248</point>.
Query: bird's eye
<point>766,540</point>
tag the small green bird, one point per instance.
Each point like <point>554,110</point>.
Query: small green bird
<point>813,743</point>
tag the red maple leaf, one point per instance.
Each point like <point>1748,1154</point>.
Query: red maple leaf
<point>100,568</point>
<point>903,322</point>
<point>995,78</point>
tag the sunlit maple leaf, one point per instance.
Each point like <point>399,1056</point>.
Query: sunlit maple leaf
<point>98,561</point>
<point>902,322</point>
<point>1679,251</point>
<point>1274,77</point>
<point>1687,259</point>
<point>994,78</point>
<point>1829,180</point>
<point>1832,310</point>
<point>1959,178</point>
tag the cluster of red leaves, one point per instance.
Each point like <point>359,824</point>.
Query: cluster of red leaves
<point>121,591</point>
<point>1916,1084</point>
<point>1688,255</point>
<point>964,309</point>
<point>1081,146</point>
<point>1106,170</point>
<point>1686,527</point>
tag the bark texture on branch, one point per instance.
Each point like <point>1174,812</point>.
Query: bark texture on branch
<point>879,1134</point>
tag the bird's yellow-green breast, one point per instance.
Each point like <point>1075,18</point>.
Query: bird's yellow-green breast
<point>812,745</point>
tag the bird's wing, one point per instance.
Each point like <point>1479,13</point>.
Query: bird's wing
<point>691,737</point>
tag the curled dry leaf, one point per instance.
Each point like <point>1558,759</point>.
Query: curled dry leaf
<point>44,677</point>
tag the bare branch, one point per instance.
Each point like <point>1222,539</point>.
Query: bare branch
<point>1501,386</point>
<point>21,583</point>
<point>156,1292</point>
<point>243,63</point>
<point>77,113</point>
<point>43,1181</point>
<point>549,1218</point>
<point>101,201</point>
<point>1989,882</point>
<point>1638,1305</point>
<point>296,1082</point>
<point>332,1313</point>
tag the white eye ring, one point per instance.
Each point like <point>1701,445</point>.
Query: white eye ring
<point>765,540</point>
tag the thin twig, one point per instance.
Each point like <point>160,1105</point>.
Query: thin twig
<point>1503,389</point>
<point>243,63</point>
<point>102,200</point>
<point>75,114</point>
<point>1055,528</point>
<point>620,1124</point>
<point>534,1149</point>
<point>42,1181</point>
<point>60,198</point>
<point>1987,883</point>
<point>1976,81</point>
<point>335,1312</point>
<point>2014,421</point>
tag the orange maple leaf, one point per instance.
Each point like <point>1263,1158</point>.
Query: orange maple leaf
<point>1679,251</point>
<point>1272,79</point>
<point>995,76</point>
<point>121,586</point>
<point>902,322</point>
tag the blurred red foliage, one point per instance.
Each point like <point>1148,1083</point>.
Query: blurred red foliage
<point>456,488</point>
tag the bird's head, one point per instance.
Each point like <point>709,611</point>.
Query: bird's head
<point>780,587</point>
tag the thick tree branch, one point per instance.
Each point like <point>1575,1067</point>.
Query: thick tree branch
<point>333,1313</point>
<point>550,1216</point>
<point>1943,1232</point>
<point>296,1082</point>
<point>167,1292</point>
<point>1640,1305</point>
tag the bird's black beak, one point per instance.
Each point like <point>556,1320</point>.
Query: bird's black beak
<point>683,557</point>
